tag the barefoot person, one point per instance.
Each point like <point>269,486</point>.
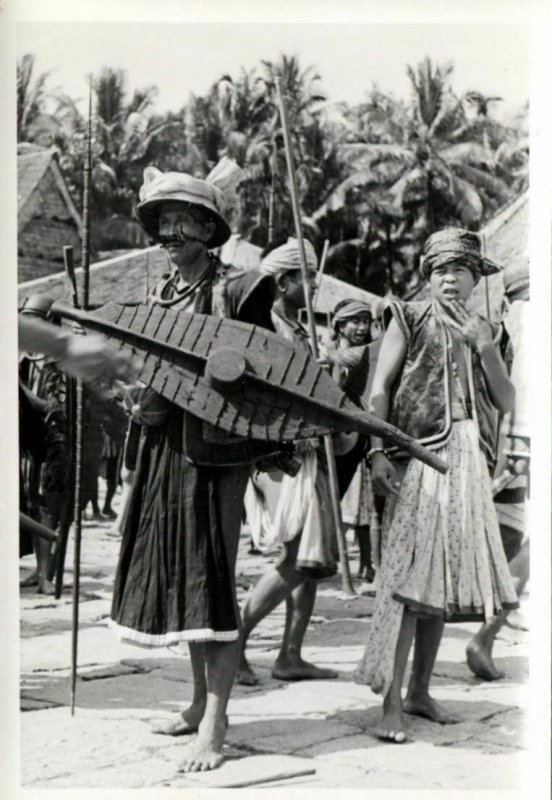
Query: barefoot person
<point>175,577</point>
<point>442,553</point>
<point>515,477</point>
<point>303,513</point>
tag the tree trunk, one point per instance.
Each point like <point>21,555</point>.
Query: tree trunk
<point>430,205</point>
<point>389,258</point>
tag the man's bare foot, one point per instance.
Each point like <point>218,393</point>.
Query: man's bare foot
<point>204,752</point>
<point>425,706</point>
<point>480,661</point>
<point>45,587</point>
<point>517,621</point>
<point>245,675</point>
<point>30,580</point>
<point>391,727</point>
<point>294,668</point>
<point>182,724</point>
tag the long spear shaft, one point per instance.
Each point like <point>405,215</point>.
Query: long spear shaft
<point>486,278</point>
<point>328,442</point>
<point>321,269</point>
<point>70,401</point>
<point>85,263</point>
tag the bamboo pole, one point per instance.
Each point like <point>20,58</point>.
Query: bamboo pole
<point>70,410</point>
<point>328,442</point>
<point>321,268</point>
<point>486,278</point>
<point>85,264</point>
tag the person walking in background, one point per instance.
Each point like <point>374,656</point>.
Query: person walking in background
<point>302,520</point>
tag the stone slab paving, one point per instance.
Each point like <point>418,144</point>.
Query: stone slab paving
<point>122,688</point>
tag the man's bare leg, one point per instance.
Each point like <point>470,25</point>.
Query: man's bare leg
<point>43,550</point>
<point>479,652</point>
<point>391,727</point>
<point>270,591</point>
<point>205,751</point>
<point>519,569</point>
<point>429,632</point>
<point>187,721</point>
<point>289,666</point>
<point>220,659</point>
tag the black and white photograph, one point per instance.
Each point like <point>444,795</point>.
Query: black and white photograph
<point>280,440</point>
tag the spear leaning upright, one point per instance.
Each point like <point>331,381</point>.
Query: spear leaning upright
<point>328,442</point>
<point>85,265</point>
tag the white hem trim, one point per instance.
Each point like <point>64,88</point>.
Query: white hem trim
<point>172,637</point>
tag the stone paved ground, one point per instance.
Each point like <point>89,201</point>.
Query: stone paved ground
<point>122,688</point>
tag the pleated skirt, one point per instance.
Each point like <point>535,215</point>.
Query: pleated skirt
<point>173,581</point>
<point>442,552</point>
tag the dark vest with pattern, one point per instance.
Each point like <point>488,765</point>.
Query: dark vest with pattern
<point>421,403</point>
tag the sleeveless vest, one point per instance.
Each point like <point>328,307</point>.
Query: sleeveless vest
<point>421,402</point>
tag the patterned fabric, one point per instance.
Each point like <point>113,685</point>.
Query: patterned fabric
<point>442,552</point>
<point>421,405</point>
<point>455,244</point>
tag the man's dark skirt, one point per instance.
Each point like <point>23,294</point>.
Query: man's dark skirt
<point>173,582</point>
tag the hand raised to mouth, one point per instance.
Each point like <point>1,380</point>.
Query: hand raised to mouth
<point>474,329</point>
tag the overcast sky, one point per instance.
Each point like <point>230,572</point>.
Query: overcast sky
<point>179,58</point>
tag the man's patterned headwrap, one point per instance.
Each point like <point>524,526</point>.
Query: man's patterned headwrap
<point>455,244</point>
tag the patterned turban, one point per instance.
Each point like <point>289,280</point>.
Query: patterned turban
<point>455,244</point>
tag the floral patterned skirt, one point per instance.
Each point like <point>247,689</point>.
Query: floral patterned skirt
<point>442,552</point>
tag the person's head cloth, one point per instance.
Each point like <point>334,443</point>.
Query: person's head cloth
<point>455,244</point>
<point>347,309</point>
<point>516,279</point>
<point>209,194</point>
<point>287,258</point>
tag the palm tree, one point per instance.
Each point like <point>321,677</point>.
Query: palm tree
<point>31,96</point>
<point>124,135</point>
<point>429,162</point>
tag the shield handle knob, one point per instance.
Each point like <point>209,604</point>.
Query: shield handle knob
<point>225,367</point>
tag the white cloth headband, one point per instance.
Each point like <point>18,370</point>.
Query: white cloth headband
<point>287,258</point>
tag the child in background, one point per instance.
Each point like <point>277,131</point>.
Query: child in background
<point>349,355</point>
<point>439,378</point>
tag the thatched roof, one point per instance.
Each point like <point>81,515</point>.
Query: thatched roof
<point>127,276</point>
<point>32,165</point>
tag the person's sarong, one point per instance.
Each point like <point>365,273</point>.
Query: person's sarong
<point>173,581</point>
<point>357,503</point>
<point>442,552</point>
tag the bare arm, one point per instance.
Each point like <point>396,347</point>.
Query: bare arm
<point>501,388</point>
<point>89,357</point>
<point>390,360</point>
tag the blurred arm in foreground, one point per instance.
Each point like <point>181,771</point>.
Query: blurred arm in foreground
<point>90,357</point>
